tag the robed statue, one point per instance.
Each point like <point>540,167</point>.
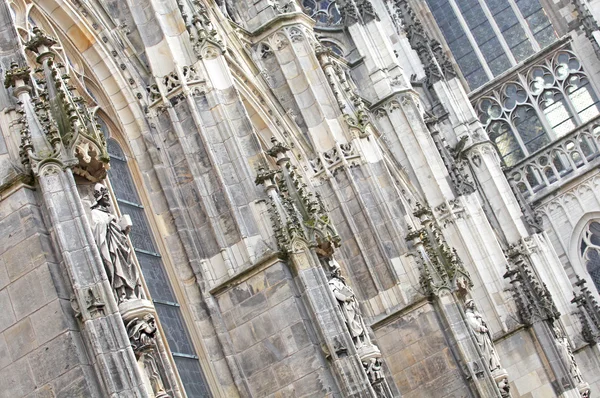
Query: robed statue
<point>482,335</point>
<point>111,238</point>
<point>349,305</point>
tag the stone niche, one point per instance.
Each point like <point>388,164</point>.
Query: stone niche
<point>418,355</point>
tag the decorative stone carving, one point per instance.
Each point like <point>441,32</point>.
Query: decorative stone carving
<point>564,347</point>
<point>435,62</point>
<point>454,162</point>
<point>202,31</point>
<point>532,297</point>
<point>116,253</point>
<point>296,212</point>
<point>369,353</point>
<point>486,346</point>
<point>588,311</point>
<point>442,271</point>
<point>536,306</point>
<point>142,332</point>
<point>349,305</point>
<point>56,126</point>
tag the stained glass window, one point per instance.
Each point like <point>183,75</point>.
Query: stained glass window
<point>324,12</point>
<point>590,252</point>
<point>523,118</point>
<point>488,37</point>
<point>167,308</point>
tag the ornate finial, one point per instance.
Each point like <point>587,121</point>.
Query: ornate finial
<point>40,43</point>
<point>278,148</point>
<point>16,74</point>
<point>295,212</point>
<point>264,175</point>
<point>66,133</point>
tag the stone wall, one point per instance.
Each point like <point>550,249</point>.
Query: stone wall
<point>274,342</point>
<point>419,356</point>
<point>41,349</point>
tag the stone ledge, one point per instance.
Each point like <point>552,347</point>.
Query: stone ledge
<point>242,275</point>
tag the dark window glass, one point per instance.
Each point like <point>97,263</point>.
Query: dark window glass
<point>140,233</point>
<point>522,50</point>
<point>530,128</point>
<point>582,97</point>
<point>506,19</point>
<point>528,7</point>
<point>499,65</point>
<point>546,36</point>
<point>469,63</point>
<point>123,183</point>
<point>502,135</point>
<point>189,371</point>
<point>172,322</point>
<point>155,276</point>
<point>477,78</point>
<point>590,250</point>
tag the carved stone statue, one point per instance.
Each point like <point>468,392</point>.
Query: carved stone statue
<point>142,336</point>
<point>568,357</point>
<point>369,353</point>
<point>482,334</point>
<point>141,332</point>
<point>486,345</point>
<point>111,238</point>
<point>349,305</point>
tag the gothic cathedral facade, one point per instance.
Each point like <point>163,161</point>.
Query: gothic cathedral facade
<point>300,198</point>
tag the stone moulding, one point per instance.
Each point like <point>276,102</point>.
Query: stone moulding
<point>57,126</point>
<point>301,222</point>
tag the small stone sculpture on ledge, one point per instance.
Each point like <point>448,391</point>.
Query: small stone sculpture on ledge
<point>349,305</point>
<point>486,345</point>
<point>111,238</point>
<point>369,353</point>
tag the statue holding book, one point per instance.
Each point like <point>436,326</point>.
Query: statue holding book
<point>110,235</point>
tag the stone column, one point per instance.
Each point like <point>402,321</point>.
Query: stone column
<point>307,238</point>
<point>59,138</point>
<point>448,284</point>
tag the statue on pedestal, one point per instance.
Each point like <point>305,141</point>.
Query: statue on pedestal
<point>111,237</point>
<point>482,334</point>
<point>486,345</point>
<point>349,305</point>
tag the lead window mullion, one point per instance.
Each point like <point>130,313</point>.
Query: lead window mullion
<point>498,33</point>
<point>471,39</point>
<point>525,25</point>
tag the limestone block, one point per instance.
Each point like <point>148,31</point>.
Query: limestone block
<point>31,292</point>
<point>4,278</point>
<point>51,320</point>
<point>20,339</point>
<point>17,379</point>
<point>7,315</point>
<point>54,358</point>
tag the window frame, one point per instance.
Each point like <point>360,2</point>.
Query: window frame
<point>525,78</point>
<point>186,317</point>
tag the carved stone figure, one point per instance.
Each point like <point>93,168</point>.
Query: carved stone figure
<point>142,332</point>
<point>482,334</point>
<point>568,357</point>
<point>349,305</point>
<point>111,238</point>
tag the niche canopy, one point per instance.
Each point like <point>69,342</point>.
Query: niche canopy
<point>57,127</point>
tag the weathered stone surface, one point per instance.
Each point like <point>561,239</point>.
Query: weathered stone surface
<point>20,339</point>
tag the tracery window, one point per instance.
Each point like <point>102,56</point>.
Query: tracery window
<point>163,297</point>
<point>590,251</point>
<point>325,12</point>
<point>537,106</point>
<point>487,37</point>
